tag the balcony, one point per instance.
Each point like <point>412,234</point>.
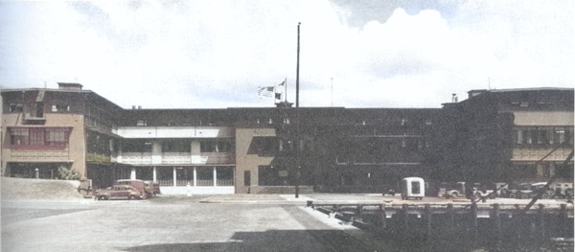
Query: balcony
<point>177,158</point>
<point>136,158</point>
<point>535,154</point>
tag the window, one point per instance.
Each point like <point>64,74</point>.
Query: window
<point>207,146</point>
<point>16,107</point>
<point>60,108</point>
<point>224,146</point>
<point>519,136</point>
<point>39,136</point>
<point>176,145</point>
<point>19,136</point>
<point>142,122</point>
<point>560,134</point>
<point>57,136</point>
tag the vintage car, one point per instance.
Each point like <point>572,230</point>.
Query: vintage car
<point>546,193</point>
<point>136,183</point>
<point>118,192</point>
<point>152,188</point>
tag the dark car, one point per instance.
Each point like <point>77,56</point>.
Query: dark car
<point>136,183</point>
<point>152,188</point>
<point>118,192</point>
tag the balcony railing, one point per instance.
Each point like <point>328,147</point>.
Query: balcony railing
<point>534,154</point>
<point>219,157</point>
<point>177,158</point>
<point>136,158</point>
<point>199,182</point>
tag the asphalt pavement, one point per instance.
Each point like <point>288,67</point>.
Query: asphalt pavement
<point>239,222</point>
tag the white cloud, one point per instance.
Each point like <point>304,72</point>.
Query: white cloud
<point>202,54</point>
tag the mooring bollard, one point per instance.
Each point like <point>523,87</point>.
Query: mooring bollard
<point>541,213</point>
<point>451,215</point>
<point>475,228</point>
<point>428,220</point>
<point>382,216</point>
<point>405,214</point>
<point>497,220</point>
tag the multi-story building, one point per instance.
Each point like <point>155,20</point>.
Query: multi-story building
<point>490,136</point>
<point>509,135</point>
<point>45,129</point>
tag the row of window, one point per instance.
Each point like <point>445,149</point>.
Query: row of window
<point>39,136</point>
<point>542,135</point>
<point>286,120</point>
<point>17,107</point>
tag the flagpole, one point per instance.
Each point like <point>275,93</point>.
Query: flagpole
<point>297,119</point>
<point>285,86</point>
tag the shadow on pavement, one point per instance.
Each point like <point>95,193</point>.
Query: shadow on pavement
<point>273,240</point>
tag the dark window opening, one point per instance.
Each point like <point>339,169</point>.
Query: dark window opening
<point>136,145</point>
<point>220,145</point>
<point>60,108</point>
<point>176,145</point>
<point>16,107</point>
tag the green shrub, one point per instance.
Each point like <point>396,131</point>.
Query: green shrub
<point>67,174</point>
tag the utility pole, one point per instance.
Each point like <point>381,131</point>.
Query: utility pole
<point>297,163</point>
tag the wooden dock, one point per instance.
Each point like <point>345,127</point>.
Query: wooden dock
<point>467,223</point>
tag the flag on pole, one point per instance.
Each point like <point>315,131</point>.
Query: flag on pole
<point>266,91</point>
<point>278,96</point>
<point>283,83</point>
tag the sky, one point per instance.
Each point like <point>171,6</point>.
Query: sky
<point>353,54</point>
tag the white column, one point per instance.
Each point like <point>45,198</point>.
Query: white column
<point>155,174</point>
<point>133,173</point>
<point>195,176</point>
<point>215,176</point>
<point>174,175</point>
<point>156,152</point>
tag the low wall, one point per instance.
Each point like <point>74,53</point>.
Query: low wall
<point>279,189</point>
<point>183,190</point>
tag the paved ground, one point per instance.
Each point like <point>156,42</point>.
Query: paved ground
<point>175,224</point>
<point>200,223</point>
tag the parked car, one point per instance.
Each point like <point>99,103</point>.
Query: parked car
<point>540,187</point>
<point>520,191</point>
<point>136,183</point>
<point>563,190</point>
<point>118,192</point>
<point>484,191</point>
<point>152,188</point>
<point>452,190</point>
<point>85,188</point>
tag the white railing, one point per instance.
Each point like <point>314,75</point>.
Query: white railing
<point>200,182</point>
<point>176,158</point>
<point>137,158</point>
